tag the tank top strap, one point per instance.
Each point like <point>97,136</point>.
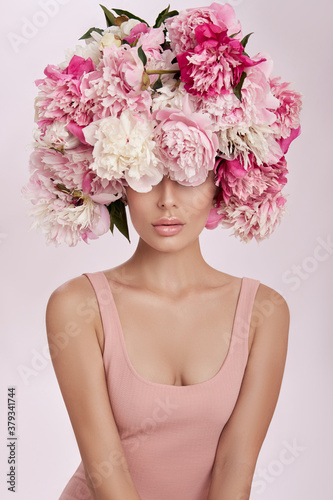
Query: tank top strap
<point>246,300</point>
<point>106,304</point>
<point>242,319</point>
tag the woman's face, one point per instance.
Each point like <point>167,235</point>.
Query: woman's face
<point>171,216</point>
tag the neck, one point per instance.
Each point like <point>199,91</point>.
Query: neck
<point>169,272</point>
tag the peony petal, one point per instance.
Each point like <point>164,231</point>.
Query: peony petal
<point>77,131</point>
<point>214,218</point>
<point>285,143</point>
<point>102,225</point>
<point>78,66</point>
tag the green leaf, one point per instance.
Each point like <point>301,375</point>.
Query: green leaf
<point>171,14</point>
<point>160,17</point>
<point>62,188</point>
<point>238,89</point>
<point>246,39</point>
<point>88,34</point>
<point>234,34</point>
<point>158,84</point>
<point>121,12</point>
<point>166,45</point>
<point>110,19</point>
<point>165,14</point>
<point>118,218</point>
<point>142,55</point>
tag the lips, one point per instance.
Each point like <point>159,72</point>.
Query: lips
<point>168,221</point>
<point>168,226</point>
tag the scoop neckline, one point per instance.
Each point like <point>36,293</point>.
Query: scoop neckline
<point>158,384</point>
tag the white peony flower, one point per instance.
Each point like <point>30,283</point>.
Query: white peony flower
<point>64,223</point>
<point>171,95</point>
<point>90,49</point>
<point>108,40</point>
<point>120,32</point>
<point>114,30</point>
<point>56,136</point>
<point>127,26</point>
<point>124,148</point>
<point>240,142</point>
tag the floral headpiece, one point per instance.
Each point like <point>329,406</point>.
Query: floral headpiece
<point>180,98</point>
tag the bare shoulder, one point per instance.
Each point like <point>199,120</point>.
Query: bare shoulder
<point>269,329</point>
<point>269,307</point>
<point>72,306</point>
<point>72,290</point>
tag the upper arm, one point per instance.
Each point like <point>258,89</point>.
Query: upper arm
<point>245,431</point>
<point>78,364</point>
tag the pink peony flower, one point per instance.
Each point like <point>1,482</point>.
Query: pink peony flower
<point>71,169</point>
<point>252,184</point>
<point>216,63</point>
<point>60,168</point>
<point>57,136</point>
<point>117,84</point>
<point>186,145</point>
<point>250,201</point>
<point>256,107</point>
<point>182,28</point>
<point>290,105</point>
<point>136,32</point>
<point>150,39</point>
<point>130,70</point>
<point>64,222</point>
<point>68,198</point>
<point>252,220</point>
<point>99,225</point>
<point>60,94</point>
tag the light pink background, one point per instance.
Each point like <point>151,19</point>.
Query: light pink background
<point>296,459</point>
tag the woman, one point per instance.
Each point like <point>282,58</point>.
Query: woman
<point>172,369</point>
<point>176,315</point>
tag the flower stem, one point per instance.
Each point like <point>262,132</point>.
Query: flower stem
<point>160,71</point>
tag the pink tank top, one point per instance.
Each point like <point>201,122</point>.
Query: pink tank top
<point>169,433</point>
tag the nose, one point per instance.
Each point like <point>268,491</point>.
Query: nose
<point>167,196</point>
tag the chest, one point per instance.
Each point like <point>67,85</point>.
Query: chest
<point>177,342</point>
